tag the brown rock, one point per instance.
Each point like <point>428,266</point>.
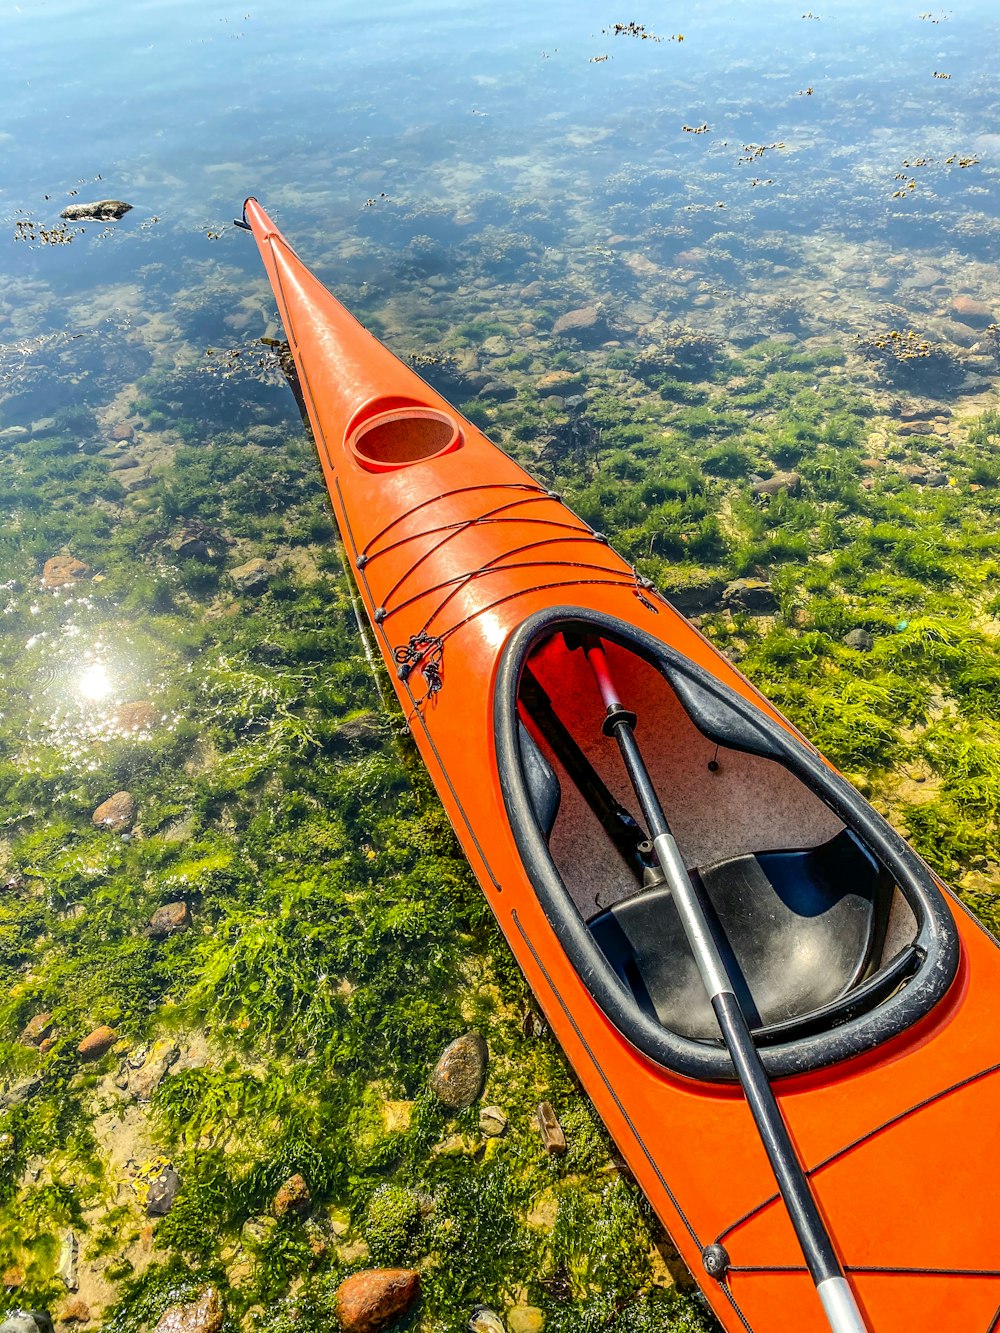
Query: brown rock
<point>586,325</point>
<point>116,814</point>
<point>968,310</point>
<point>123,431</point>
<point>553,1138</point>
<point>36,1030</point>
<point>460,1073</point>
<point>292,1197</point>
<point>62,570</point>
<point>201,1316</point>
<point>76,1311</point>
<point>368,1301</point>
<point>98,1042</point>
<point>781,481</point>
<point>45,1046</point>
<point>168,920</point>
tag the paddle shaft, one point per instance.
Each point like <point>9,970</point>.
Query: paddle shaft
<point>838,1301</point>
<point>618,824</point>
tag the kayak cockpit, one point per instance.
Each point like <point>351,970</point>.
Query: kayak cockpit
<point>834,932</point>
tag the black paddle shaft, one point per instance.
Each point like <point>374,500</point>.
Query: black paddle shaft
<point>821,1258</point>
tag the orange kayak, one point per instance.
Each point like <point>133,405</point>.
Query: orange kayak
<point>869,989</point>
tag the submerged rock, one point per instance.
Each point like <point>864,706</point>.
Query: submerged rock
<point>102,210</point>
<point>781,481</point>
<point>27,1321</point>
<point>252,577</point>
<point>459,1075</point>
<point>969,311</point>
<point>116,814</point>
<point>162,1192</point>
<point>168,920</point>
<point>97,1043</point>
<point>203,1315</point>
<point>859,639</point>
<point>492,1121</point>
<point>36,1030</point>
<point>749,595</point>
<point>143,1081</point>
<point>695,593</point>
<point>67,1268</point>
<point>368,1301</point>
<point>485,1320</point>
<point>293,1197</point>
<point>62,570</point>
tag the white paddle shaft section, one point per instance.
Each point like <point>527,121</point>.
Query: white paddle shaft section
<point>703,946</point>
<point>842,1311</point>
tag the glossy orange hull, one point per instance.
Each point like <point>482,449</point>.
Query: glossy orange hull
<point>453,552</point>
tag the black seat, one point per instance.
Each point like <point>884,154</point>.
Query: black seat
<point>799,931</point>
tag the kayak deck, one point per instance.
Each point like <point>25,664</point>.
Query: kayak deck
<point>471,574</point>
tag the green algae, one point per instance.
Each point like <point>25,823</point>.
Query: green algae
<point>338,941</point>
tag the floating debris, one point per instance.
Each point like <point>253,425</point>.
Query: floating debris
<point>25,229</point>
<point>755,151</point>
<point>938,75</point>
<point>695,129</point>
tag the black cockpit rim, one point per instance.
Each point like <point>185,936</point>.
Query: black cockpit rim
<point>936,941</point>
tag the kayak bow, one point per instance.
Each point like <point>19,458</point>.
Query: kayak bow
<point>865,988</point>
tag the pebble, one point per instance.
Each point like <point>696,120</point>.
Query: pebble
<point>292,1197</point>
<point>67,1269</point>
<point>97,1043</point>
<point>460,1073</point>
<point>76,1311</point>
<point>162,1192</point>
<point>492,1121</point>
<point>203,1315</point>
<point>485,1320</point>
<point>168,920</point>
<point>859,639</point>
<point>129,719</point>
<point>370,1300</point>
<point>116,814</point>
<point>586,320</point>
<point>257,1231</point>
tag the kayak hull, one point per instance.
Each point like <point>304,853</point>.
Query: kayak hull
<point>455,550</point>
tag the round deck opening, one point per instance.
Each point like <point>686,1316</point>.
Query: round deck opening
<point>403,436</point>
